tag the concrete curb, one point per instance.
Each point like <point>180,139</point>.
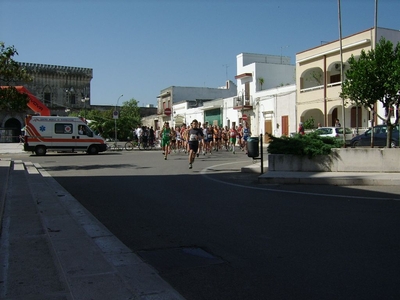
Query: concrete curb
<point>5,166</point>
<point>330,178</point>
<point>76,256</point>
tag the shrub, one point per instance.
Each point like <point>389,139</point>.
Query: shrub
<point>309,145</point>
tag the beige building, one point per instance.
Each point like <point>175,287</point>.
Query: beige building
<point>318,79</point>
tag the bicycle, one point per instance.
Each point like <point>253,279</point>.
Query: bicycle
<point>131,144</point>
<point>146,145</point>
<point>114,147</point>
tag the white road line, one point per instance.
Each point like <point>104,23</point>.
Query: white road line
<point>204,173</point>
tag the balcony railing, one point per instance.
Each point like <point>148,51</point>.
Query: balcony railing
<point>318,87</point>
<point>241,102</point>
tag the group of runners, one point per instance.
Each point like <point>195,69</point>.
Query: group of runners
<point>198,138</point>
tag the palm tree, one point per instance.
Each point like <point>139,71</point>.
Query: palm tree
<point>261,81</point>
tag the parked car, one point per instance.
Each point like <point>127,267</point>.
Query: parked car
<point>335,132</point>
<point>380,137</point>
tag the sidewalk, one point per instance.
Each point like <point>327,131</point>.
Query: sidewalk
<point>330,178</point>
<point>6,148</point>
<point>53,248</point>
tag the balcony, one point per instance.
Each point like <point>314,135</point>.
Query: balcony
<point>243,103</point>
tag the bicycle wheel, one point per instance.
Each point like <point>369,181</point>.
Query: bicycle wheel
<point>141,146</point>
<point>128,146</point>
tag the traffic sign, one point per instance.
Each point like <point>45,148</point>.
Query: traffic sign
<point>115,114</point>
<point>244,117</point>
<point>167,111</point>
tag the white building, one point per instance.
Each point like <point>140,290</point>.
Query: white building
<point>264,97</point>
<point>198,95</point>
<point>266,94</point>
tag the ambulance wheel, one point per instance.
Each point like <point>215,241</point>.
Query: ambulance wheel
<point>40,150</point>
<point>92,150</point>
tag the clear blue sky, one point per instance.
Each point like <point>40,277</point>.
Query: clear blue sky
<point>139,47</point>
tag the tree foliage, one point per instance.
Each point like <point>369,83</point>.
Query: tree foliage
<point>375,76</point>
<point>10,73</point>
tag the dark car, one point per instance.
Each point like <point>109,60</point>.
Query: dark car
<point>380,137</point>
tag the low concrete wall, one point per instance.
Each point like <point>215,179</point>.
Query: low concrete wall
<point>340,160</point>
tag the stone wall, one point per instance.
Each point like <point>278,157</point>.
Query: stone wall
<point>340,160</point>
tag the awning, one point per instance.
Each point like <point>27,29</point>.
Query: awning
<point>165,94</point>
<point>211,107</point>
<point>243,75</point>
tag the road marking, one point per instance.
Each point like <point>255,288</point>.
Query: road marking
<point>204,172</point>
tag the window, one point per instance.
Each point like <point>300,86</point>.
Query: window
<point>335,78</point>
<point>72,98</point>
<point>247,91</point>
<point>47,98</point>
<point>63,128</point>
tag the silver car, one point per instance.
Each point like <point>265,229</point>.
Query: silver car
<point>335,132</point>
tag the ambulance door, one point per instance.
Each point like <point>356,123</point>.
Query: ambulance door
<point>65,136</point>
<point>82,137</point>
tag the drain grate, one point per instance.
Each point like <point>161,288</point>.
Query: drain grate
<point>165,260</point>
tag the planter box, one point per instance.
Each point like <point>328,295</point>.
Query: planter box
<point>340,160</point>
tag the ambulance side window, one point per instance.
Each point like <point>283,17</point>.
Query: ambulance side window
<point>63,128</point>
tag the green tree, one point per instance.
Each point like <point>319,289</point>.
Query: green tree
<point>309,123</point>
<point>129,118</point>
<point>10,73</point>
<point>101,122</point>
<point>375,76</point>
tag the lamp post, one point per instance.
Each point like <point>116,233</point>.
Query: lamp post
<point>115,115</point>
<point>84,99</point>
<point>84,108</point>
<point>70,92</point>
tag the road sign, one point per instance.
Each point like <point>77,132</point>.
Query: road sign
<point>115,114</point>
<point>167,111</point>
<point>244,117</point>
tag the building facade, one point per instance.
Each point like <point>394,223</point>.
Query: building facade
<point>193,95</point>
<point>318,79</point>
<point>264,86</point>
<point>60,88</point>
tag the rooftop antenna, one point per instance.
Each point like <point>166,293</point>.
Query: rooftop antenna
<point>226,70</point>
<point>283,47</point>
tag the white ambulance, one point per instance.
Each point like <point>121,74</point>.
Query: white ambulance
<point>44,134</point>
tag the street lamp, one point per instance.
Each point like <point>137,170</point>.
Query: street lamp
<point>115,116</point>
<point>70,92</point>
<point>84,101</point>
<point>85,97</point>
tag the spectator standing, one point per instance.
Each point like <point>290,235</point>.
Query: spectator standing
<point>301,129</point>
<point>151,136</point>
<point>139,132</point>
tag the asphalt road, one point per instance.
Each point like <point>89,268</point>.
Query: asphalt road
<point>214,233</point>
